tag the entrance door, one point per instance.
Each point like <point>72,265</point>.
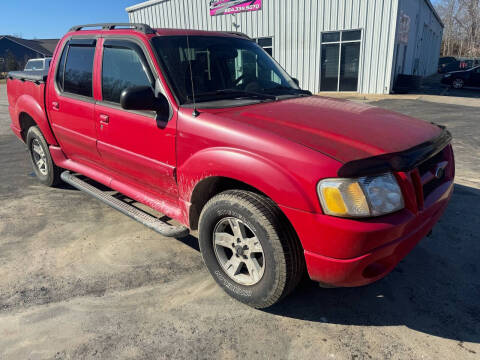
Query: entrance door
<point>340,60</point>
<point>349,62</point>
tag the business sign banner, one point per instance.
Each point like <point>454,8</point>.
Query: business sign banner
<point>224,7</point>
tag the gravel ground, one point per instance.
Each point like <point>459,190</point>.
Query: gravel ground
<point>81,281</point>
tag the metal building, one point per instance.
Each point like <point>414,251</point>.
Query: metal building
<point>329,45</point>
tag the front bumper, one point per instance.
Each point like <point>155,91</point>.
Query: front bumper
<point>345,252</point>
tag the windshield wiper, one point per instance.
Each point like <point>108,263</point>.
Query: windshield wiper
<point>230,93</point>
<point>288,89</point>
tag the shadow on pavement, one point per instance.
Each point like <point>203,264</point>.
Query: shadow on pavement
<point>435,289</point>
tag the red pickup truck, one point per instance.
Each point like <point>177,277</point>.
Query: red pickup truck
<point>207,129</point>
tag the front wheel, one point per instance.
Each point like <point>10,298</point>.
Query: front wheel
<point>250,248</point>
<point>45,170</point>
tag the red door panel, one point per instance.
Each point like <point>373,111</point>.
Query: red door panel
<point>133,145</point>
<point>74,127</point>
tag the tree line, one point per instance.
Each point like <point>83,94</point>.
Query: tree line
<point>461,35</point>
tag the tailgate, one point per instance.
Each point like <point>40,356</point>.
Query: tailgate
<point>25,90</point>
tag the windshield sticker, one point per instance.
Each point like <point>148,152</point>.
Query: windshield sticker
<point>225,7</point>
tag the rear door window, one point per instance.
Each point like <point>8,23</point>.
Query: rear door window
<point>75,70</point>
<point>124,66</point>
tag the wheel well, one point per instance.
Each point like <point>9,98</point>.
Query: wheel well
<point>26,122</point>
<point>210,187</point>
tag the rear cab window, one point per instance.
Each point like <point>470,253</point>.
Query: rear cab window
<point>75,69</point>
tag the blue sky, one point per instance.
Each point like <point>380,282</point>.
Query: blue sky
<point>52,18</point>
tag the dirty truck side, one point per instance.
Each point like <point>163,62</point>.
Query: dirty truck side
<point>206,128</point>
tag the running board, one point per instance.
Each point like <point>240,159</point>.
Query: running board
<point>150,221</point>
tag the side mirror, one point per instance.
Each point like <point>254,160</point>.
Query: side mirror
<point>143,98</point>
<point>295,80</point>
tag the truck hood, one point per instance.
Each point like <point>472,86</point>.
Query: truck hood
<point>341,129</point>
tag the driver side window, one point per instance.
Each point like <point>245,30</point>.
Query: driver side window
<point>122,68</point>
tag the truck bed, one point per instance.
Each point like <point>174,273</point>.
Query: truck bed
<point>26,93</point>
<point>33,75</point>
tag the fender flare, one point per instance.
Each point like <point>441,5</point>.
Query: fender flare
<point>262,174</point>
<point>28,105</point>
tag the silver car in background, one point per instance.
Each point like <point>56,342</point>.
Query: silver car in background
<point>38,64</point>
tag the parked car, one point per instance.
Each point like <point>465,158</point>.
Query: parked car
<point>38,64</point>
<point>459,65</point>
<point>444,61</point>
<point>460,79</point>
<point>206,128</point>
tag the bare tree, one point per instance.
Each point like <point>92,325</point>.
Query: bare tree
<point>461,33</point>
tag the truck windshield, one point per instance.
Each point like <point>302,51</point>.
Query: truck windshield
<point>221,68</point>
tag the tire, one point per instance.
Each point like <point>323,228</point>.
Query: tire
<point>277,269</point>
<point>458,83</point>
<point>47,172</point>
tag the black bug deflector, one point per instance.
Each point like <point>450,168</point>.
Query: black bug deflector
<point>399,161</point>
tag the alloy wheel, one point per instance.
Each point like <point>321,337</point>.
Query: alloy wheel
<point>457,83</point>
<point>39,157</point>
<point>238,251</point>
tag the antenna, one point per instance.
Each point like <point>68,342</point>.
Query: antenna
<point>195,111</point>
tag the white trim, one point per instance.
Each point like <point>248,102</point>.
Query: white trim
<point>143,4</point>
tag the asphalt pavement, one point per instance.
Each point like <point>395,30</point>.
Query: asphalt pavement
<point>81,281</point>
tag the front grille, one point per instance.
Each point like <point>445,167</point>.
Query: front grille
<point>435,171</point>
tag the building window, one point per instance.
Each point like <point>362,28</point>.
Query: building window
<point>340,60</point>
<point>266,43</point>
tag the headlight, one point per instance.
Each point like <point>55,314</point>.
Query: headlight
<point>447,75</point>
<point>361,197</point>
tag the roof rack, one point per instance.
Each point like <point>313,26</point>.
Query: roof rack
<point>144,28</point>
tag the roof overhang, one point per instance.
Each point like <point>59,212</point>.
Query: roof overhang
<point>43,51</point>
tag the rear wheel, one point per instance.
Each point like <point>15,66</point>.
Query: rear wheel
<point>250,248</point>
<point>45,170</point>
<point>458,83</point>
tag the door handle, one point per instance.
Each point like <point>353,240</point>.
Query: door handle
<point>104,119</point>
<point>55,105</point>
